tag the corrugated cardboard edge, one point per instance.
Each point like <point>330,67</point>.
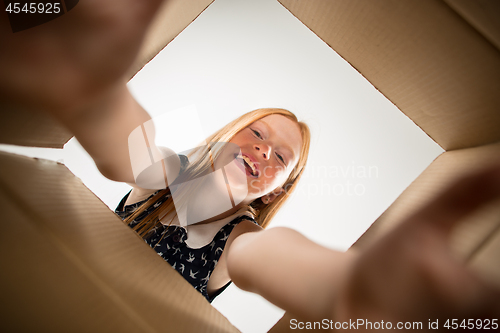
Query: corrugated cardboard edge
<point>72,260</point>
<point>30,128</point>
<point>172,18</point>
<point>423,56</point>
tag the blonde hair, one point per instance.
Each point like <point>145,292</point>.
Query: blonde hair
<point>262,213</point>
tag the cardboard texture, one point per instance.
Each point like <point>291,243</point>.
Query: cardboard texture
<point>71,263</point>
<point>30,128</point>
<point>172,17</point>
<point>423,56</point>
<point>482,15</point>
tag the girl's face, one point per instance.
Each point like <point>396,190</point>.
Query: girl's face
<point>270,149</point>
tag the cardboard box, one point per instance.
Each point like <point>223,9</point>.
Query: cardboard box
<point>437,61</point>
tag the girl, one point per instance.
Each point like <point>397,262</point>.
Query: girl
<point>273,152</point>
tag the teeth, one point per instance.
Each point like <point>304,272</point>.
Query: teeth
<point>249,162</point>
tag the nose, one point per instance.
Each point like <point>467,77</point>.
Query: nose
<point>263,150</point>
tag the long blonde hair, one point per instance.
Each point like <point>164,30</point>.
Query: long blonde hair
<point>262,213</point>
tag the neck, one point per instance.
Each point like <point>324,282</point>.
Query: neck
<point>220,216</point>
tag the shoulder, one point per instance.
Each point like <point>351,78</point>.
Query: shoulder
<point>245,225</point>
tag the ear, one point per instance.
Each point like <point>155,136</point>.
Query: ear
<point>268,198</point>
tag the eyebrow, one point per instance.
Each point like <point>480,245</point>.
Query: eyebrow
<point>284,145</point>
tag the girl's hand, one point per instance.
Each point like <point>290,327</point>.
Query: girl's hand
<point>74,68</point>
<point>411,274</point>
<point>73,60</point>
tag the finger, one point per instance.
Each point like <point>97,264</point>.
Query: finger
<point>462,198</point>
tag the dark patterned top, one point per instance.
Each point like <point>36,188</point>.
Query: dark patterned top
<point>195,265</point>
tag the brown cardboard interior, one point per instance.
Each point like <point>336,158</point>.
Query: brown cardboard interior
<point>423,56</point>
<point>28,128</point>
<point>482,15</point>
<point>172,17</point>
<point>72,263</point>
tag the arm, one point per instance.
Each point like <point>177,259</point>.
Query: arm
<point>289,270</point>
<point>76,71</point>
<point>409,274</point>
<point>103,129</point>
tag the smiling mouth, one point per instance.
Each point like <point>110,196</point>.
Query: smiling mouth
<point>249,165</point>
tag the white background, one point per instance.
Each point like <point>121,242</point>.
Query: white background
<point>240,55</point>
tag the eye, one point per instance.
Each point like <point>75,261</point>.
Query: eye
<point>257,134</point>
<point>280,158</point>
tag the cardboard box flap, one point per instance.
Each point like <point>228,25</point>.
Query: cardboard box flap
<point>29,128</point>
<point>172,17</point>
<point>71,260</point>
<point>470,235</point>
<point>44,283</point>
<point>481,14</point>
<point>432,64</point>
